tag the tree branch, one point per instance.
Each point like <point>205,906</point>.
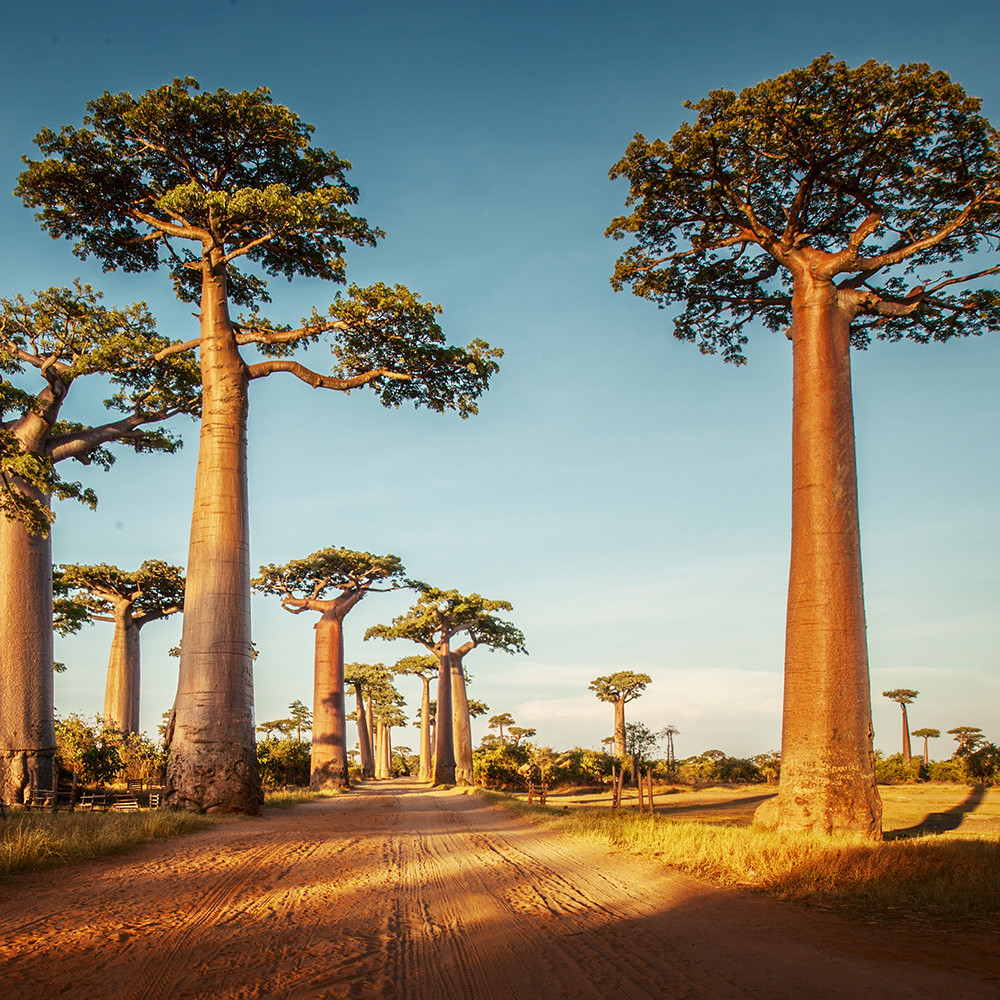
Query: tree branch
<point>317,381</point>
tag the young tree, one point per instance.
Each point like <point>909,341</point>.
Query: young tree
<point>903,697</point>
<point>61,336</point>
<point>926,734</point>
<point>499,721</point>
<point>620,688</point>
<point>640,742</point>
<point>330,581</point>
<point>426,668</point>
<point>436,618</point>
<point>200,183</point>
<point>817,199</point>
<point>301,716</point>
<point>668,733</point>
<point>131,601</point>
<point>521,733</point>
<point>363,677</point>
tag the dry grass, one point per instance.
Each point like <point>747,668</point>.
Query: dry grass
<point>951,877</point>
<point>30,841</point>
<point>286,798</point>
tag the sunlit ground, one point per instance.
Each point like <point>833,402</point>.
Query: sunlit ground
<point>954,811</point>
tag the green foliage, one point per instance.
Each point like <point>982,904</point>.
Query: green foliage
<point>89,749</point>
<point>419,665</point>
<point>891,173</point>
<point>901,696</point>
<point>769,765</point>
<point>498,766</point>
<point>61,335</point>
<point>737,771</point>
<point>980,759</point>
<point>520,733</point>
<point>946,770</point>
<point>301,717</point>
<point>640,742</point>
<point>283,762</point>
<point>583,767</point>
<point>439,613</point>
<point>153,591</point>
<point>141,757</point>
<point>622,686</point>
<point>329,571</point>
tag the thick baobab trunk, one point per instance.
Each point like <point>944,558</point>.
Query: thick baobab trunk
<point>827,780</point>
<point>444,744</point>
<point>620,730</point>
<point>387,751</point>
<point>329,741</point>
<point>380,771</point>
<point>121,692</point>
<point>370,717</point>
<point>213,761</point>
<point>27,713</point>
<point>907,752</point>
<point>425,731</point>
<point>461,722</point>
<point>364,736</point>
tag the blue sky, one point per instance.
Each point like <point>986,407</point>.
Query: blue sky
<point>629,496</point>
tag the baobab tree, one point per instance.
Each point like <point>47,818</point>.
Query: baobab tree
<point>131,600</point>
<point>426,668</point>
<point>927,734</point>
<point>521,733</point>
<point>835,204</point>
<point>360,677</point>
<point>499,721</point>
<point>330,581</point>
<point>199,184</point>
<point>433,621</point>
<point>903,697</point>
<point>61,336</point>
<point>620,688</point>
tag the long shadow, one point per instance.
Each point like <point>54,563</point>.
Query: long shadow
<point>942,822</point>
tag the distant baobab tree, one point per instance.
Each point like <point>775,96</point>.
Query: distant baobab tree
<point>131,600</point>
<point>903,697</point>
<point>926,734</point>
<point>203,185</point>
<point>620,688</point>
<point>426,668</point>
<point>835,204</point>
<point>330,582</point>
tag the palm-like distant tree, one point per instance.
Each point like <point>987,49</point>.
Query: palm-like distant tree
<point>926,734</point>
<point>903,697</point>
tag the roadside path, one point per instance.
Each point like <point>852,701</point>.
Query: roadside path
<point>400,892</point>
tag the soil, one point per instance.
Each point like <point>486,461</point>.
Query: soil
<point>399,891</point>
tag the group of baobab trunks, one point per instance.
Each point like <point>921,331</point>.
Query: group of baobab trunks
<point>806,204</point>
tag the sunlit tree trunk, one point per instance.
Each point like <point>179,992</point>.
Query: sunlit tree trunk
<point>425,731</point>
<point>380,771</point>
<point>213,762</point>
<point>27,713</point>
<point>364,736</point>
<point>827,763</point>
<point>444,745</point>
<point>620,730</point>
<point>387,751</point>
<point>329,741</point>
<point>461,721</point>
<point>371,719</point>
<point>907,751</point>
<point>121,692</point>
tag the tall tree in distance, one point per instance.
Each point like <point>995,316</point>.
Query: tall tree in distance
<point>903,697</point>
<point>131,600</point>
<point>619,689</point>
<point>359,676</point>
<point>433,621</point>
<point>499,721</point>
<point>425,667</point>
<point>834,203</point>
<point>331,582</point>
<point>48,344</point>
<point>926,734</point>
<point>202,184</point>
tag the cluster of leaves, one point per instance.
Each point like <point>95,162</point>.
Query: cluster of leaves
<point>980,758</point>
<point>895,769</point>
<point>98,753</point>
<point>283,761</point>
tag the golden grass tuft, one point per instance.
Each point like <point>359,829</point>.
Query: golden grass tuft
<point>30,841</point>
<point>947,880</point>
<point>285,799</point>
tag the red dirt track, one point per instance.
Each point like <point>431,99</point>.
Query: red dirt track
<point>398,891</point>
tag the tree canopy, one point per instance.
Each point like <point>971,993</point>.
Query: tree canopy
<point>153,591</point>
<point>886,177</point>
<point>620,687</point>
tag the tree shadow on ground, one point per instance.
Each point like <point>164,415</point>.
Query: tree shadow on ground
<point>940,822</point>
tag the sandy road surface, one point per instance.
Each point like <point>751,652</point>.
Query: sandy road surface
<point>396,891</point>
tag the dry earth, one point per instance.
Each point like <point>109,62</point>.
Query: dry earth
<point>397,891</point>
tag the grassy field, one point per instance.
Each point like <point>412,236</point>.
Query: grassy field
<point>940,861</point>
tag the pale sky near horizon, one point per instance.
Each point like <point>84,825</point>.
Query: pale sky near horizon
<point>628,495</point>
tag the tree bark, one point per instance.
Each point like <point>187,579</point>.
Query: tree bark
<point>121,691</point>
<point>461,720</point>
<point>827,780</point>
<point>907,753</point>
<point>364,737</point>
<point>380,750</point>
<point>444,744</point>
<point>425,731</point>
<point>213,761</point>
<point>329,741</point>
<point>620,730</point>
<point>27,712</point>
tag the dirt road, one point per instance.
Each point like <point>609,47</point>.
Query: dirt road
<point>396,891</point>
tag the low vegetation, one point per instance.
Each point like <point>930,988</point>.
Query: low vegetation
<point>30,841</point>
<point>937,879</point>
